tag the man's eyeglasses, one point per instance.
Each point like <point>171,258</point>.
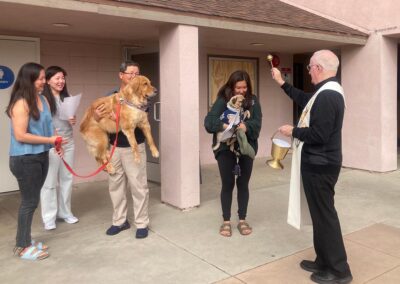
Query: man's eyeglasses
<point>309,66</point>
<point>131,74</point>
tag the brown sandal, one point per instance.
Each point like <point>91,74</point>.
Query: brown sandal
<point>225,230</point>
<point>244,228</point>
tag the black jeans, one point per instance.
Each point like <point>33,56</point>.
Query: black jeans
<point>226,163</point>
<point>328,241</point>
<point>31,172</point>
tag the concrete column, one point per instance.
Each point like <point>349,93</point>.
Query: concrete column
<point>179,94</point>
<point>369,78</point>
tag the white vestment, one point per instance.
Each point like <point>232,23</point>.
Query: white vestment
<point>298,212</point>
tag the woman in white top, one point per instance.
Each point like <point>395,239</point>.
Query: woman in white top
<point>58,204</point>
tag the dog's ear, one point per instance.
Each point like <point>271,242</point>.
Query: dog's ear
<point>131,88</point>
<point>234,100</point>
<point>135,82</point>
<point>138,86</point>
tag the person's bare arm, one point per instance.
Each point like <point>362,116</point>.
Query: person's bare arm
<point>20,121</point>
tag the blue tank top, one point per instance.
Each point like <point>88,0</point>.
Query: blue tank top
<point>41,127</point>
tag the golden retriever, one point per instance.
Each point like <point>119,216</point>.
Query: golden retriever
<point>133,99</point>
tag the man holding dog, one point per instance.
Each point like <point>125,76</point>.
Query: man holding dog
<point>317,139</point>
<point>127,171</point>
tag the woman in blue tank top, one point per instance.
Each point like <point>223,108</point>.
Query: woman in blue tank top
<point>31,138</point>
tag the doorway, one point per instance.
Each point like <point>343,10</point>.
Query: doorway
<point>301,80</point>
<point>398,97</point>
<point>14,52</point>
<point>298,75</point>
<point>150,67</point>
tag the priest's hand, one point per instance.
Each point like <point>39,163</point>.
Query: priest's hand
<point>277,76</point>
<point>286,129</point>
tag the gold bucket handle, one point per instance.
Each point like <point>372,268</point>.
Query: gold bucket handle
<point>276,132</point>
<point>273,135</point>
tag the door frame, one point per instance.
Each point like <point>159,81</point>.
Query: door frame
<point>153,164</point>
<point>10,184</point>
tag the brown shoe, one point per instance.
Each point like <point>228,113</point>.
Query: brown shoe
<point>225,230</point>
<point>244,228</point>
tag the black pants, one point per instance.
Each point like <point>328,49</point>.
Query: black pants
<point>328,241</point>
<point>31,172</point>
<point>226,163</point>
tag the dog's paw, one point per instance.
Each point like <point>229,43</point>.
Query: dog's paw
<point>110,169</point>
<point>155,153</point>
<point>216,146</point>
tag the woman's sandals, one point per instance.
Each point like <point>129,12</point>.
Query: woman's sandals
<point>244,228</point>
<point>30,253</point>
<point>225,230</point>
<point>39,245</point>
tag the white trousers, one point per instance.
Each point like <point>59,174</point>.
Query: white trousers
<point>57,203</point>
<point>128,172</point>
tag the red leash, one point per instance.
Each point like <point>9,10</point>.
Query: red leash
<point>59,140</point>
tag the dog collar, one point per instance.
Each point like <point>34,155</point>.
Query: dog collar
<point>132,105</point>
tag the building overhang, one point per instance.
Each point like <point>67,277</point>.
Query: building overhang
<point>115,16</point>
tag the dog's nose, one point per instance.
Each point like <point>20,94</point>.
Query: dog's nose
<point>155,92</point>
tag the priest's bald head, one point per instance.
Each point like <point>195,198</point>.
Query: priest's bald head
<point>323,65</point>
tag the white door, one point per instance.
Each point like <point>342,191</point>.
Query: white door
<point>14,52</point>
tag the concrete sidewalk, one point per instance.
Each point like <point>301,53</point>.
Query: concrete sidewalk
<point>185,247</point>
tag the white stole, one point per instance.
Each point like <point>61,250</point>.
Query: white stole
<point>298,212</point>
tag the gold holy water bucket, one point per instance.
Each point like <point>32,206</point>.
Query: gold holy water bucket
<point>278,152</point>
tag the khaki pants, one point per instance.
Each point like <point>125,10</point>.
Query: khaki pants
<point>128,172</point>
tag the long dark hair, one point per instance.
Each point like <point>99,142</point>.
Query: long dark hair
<point>227,90</point>
<point>50,72</point>
<point>24,88</point>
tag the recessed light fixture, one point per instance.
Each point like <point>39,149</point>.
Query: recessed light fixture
<point>256,44</point>
<point>61,25</point>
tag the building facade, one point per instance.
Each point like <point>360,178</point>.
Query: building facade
<point>178,43</point>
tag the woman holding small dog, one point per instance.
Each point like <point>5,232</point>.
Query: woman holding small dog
<point>55,91</point>
<point>31,138</point>
<point>230,161</point>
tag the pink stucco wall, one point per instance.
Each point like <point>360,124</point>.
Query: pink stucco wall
<point>370,126</point>
<point>179,84</point>
<point>92,68</point>
<point>369,77</point>
<point>371,14</point>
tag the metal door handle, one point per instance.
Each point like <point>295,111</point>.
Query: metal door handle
<point>155,112</point>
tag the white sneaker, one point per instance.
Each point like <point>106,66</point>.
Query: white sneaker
<point>50,226</point>
<point>71,220</point>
